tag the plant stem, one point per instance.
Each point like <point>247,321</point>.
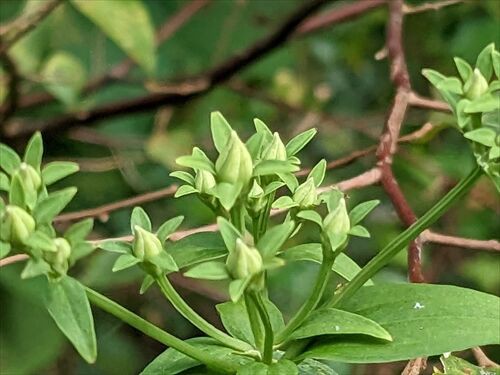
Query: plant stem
<point>267,352</point>
<point>187,312</point>
<point>156,333</point>
<point>255,322</point>
<point>404,238</point>
<point>315,297</point>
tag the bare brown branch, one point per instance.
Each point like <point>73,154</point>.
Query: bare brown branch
<point>408,9</point>
<point>466,243</point>
<point>482,359</point>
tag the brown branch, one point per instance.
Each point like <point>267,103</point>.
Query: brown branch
<point>482,359</point>
<point>13,81</point>
<point>408,9</point>
<point>16,29</point>
<point>416,100</point>
<point>466,243</point>
<point>415,366</point>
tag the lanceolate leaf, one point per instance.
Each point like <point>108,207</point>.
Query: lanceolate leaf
<point>118,20</point>
<point>53,204</point>
<point>140,218</point>
<point>318,172</point>
<point>269,167</point>
<point>68,305</point>
<point>125,261</point>
<point>312,367</point>
<point>330,321</point>
<point>169,227</point>
<point>208,271</point>
<point>228,232</point>
<point>57,170</point>
<point>78,231</point>
<point>359,212</point>
<point>221,130</point>
<point>274,238</point>
<point>423,320</point>
<point>298,142</point>
<point>197,248</point>
<point>34,151</point>
<point>9,160</point>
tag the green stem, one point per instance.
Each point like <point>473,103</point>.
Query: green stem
<point>267,353</point>
<point>265,215</point>
<point>156,333</point>
<point>187,312</point>
<point>255,322</point>
<point>405,237</point>
<point>314,298</point>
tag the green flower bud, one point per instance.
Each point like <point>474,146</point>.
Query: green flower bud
<point>146,245</point>
<point>305,195</point>
<point>235,162</point>
<point>243,261</point>
<point>204,181</point>
<point>256,201</point>
<point>59,259</point>
<point>337,222</point>
<point>30,177</point>
<point>276,149</point>
<point>476,85</point>
<point>17,225</point>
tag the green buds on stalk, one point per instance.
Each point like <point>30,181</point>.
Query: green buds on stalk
<point>146,245</point>
<point>234,164</point>
<point>276,149</point>
<point>476,86</point>
<point>337,222</point>
<point>59,259</point>
<point>305,195</point>
<point>16,225</point>
<point>244,261</point>
<point>204,182</point>
<point>30,177</point>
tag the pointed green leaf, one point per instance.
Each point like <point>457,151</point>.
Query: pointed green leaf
<point>263,129</point>
<point>228,232</point>
<point>228,194</point>
<point>197,160</point>
<point>114,246</point>
<point>34,268</point>
<point>78,231</point>
<point>272,187</point>
<point>81,250</point>
<point>168,227</point>
<point>298,142</point>
<point>311,216</point>
<point>290,180</point>
<point>495,56</point>
<point>140,218</point>
<point>146,283</point>
<point>208,271</point>
<point>53,204</point>
<point>57,170</point>
<point>359,231</point>
<point>185,190</point>
<point>237,287</point>
<point>359,212</point>
<point>34,151</point>
<point>485,136</point>
<point>271,242</point>
<point>184,176</point>
<point>331,321</point>
<point>254,145</point>
<point>16,192</point>
<point>125,261</point>
<point>270,167</point>
<point>433,76</point>
<point>197,248</point>
<point>4,182</point>
<point>283,366</point>
<point>450,84</point>
<point>4,249</point>
<point>68,305</point>
<point>318,172</point>
<point>221,130</point>
<point>484,61</point>
<point>165,261</point>
<point>285,202</point>
<point>464,69</point>
<point>485,103</point>
<point>117,19</point>
<point>9,160</point>
<point>40,241</point>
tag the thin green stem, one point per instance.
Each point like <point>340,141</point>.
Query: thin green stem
<point>267,352</point>
<point>265,215</point>
<point>157,333</point>
<point>313,300</point>
<point>255,322</point>
<point>405,237</point>
<point>187,312</point>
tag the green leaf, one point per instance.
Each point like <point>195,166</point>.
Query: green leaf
<point>331,321</point>
<point>311,216</point>
<point>78,231</point>
<point>184,190</point>
<point>168,227</point>
<point>270,167</point>
<point>273,186</point>
<point>53,204</point>
<point>184,176</point>
<point>40,241</point>
<point>237,287</point>
<point>57,170</point>
<point>485,103</point>
<point>485,136</point>
<point>4,182</point>
<point>197,248</point>
<point>127,23</point>
<point>140,218</point>
<point>464,69</point>
<point>228,232</point>
<point>256,368</point>
<point>9,160</point>
<point>16,192</point>
<point>311,367</point>
<point>35,267</point>
<point>433,76</point>
<point>4,249</point>
<point>290,180</point>
<point>208,271</point>
<point>125,261</point>
<point>344,266</point>
<point>116,246</point>
<point>359,212</point>
<point>283,366</point>
<point>262,129</point>
<point>197,160</point>
<point>165,261</point>
<point>450,84</point>
<point>80,250</point>
<point>146,283</point>
<point>318,172</point>
<point>173,362</point>
<point>423,320</point>
<point>274,238</point>
<point>463,119</point>
<point>34,151</point>
<point>495,56</point>
<point>484,61</point>
<point>64,77</point>
<point>298,142</point>
<point>221,130</point>
<point>254,145</point>
<point>359,231</point>
<point>457,366</point>
<point>228,194</point>
<point>285,202</point>
<point>68,305</point>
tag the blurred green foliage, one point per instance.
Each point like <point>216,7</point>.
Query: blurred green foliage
<point>332,71</point>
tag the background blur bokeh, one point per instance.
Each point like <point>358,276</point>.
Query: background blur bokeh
<point>328,79</point>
